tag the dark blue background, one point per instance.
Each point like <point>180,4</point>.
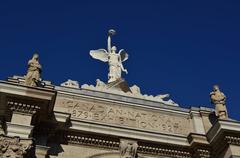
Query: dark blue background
<point>177,47</point>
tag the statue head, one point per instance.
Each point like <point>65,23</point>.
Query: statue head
<point>215,88</point>
<point>114,49</point>
<point>35,56</point>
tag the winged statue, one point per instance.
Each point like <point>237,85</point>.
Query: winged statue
<point>113,59</point>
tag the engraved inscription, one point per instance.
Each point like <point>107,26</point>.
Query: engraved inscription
<point>118,114</point>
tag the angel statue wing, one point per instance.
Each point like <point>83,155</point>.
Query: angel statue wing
<point>123,54</point>
<point>100,54</point>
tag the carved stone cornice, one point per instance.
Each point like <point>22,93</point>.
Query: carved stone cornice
<point>163,151</point>
<point>201,153</point>
<point>15,147</point>
<point>234,140</point>
<point>104,142</point>
<point>88,140</point>
<point>17,106</point>
<point>222,134</point>
<point>199,145</point>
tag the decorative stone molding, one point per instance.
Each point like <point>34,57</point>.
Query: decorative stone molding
<point>14,147</point>
<point>113,144</point>
<point>85,140</point>
<point>23,131</point>
<point>234,140</point>
<point>22,107</point>
<point>61,117</point>
<point>161,151</point>
<point>201,153</point>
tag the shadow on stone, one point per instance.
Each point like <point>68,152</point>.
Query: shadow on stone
<point>212,117</point>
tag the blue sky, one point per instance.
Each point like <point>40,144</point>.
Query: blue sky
<point>177,47</point>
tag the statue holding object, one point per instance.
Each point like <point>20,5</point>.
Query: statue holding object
<point>114,59</point>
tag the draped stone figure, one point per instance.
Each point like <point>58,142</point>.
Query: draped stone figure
<point>114,59</point>
<point>219,100</point>
<point>34,71</point>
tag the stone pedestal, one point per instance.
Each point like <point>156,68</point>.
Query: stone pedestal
<point>120,85</point>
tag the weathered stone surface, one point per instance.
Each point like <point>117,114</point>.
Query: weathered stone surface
<point>120,87</point>
<point>124,115</point>
<point>73,151</point>
<point>13,147</point>
<point>34,72</point>
<point>70,83</point>
<point>219,100</point>
<point>128,149</point>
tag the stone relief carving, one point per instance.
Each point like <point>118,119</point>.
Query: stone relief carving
<point>114,59</point>
<point>128,149</point>
<point>13,148</point>
<point>118,114</point>
<point>135,92</point>
<point>71,84</point>
<point>34,71</point>
<point>219,100</point>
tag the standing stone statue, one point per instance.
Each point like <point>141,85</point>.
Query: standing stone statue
<point>219,100</point>
<point>34,71</point>
<point>128,149</point>
<point>114,59</point>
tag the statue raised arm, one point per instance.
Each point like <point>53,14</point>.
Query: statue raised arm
<point>111,32</point>
<point>114,59</point>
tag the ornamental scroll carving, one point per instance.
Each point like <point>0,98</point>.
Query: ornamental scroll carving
<point>123,115</point>
<point>13,147</point>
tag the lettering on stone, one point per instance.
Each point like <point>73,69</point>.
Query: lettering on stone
<point>123,115</point>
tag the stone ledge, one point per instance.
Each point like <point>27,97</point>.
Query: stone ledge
<point>21,131</point>
<point>128,133</point>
